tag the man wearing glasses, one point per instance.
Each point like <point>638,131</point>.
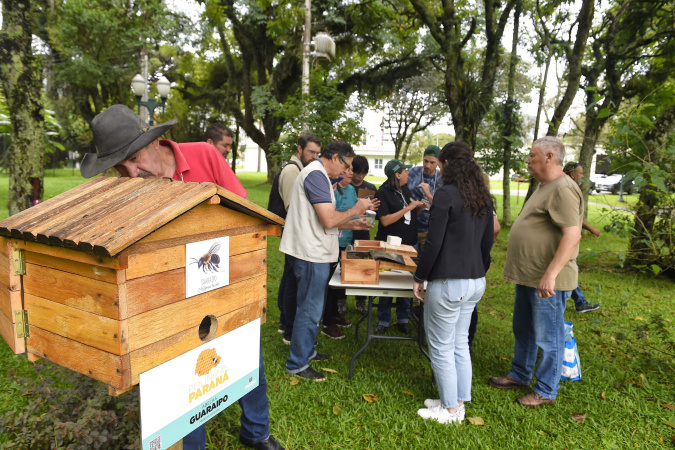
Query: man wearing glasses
<point>310,242</point>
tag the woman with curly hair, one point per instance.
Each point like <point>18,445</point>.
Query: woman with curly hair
<point>454,261</point>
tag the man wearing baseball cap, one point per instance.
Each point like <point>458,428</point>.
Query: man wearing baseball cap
<point>423,181</point>
<point>125,142</point>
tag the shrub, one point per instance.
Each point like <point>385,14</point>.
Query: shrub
<point>75,413</point>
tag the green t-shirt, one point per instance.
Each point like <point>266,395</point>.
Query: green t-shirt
<point>536,234</point>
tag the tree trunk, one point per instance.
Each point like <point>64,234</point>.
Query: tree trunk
<point>21,77</point>
<point>235,150</point>
<point>641,250</point>
<point>575,58</point>
<point>592,131</point>
<point>508,116</point>
<point>468,96</point>
<point>542,93</point>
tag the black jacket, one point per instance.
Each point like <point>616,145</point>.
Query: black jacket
<point>457,245</point>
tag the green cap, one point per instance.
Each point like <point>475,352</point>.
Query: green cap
<point>432,150</point>
<point>395,166</point>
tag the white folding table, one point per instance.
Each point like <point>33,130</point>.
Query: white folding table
<point>393,283</point>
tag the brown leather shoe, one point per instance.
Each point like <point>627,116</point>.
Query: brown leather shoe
<point>533,399</point>
<point>505,383</point>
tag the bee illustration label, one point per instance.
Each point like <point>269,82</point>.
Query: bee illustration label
<point>207,265</point>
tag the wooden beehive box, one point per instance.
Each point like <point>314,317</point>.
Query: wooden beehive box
<point>367,271</point>
<point>94,279</point>
<point>364,246</point>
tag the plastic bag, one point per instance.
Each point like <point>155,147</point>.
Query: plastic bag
<point>571,369</point>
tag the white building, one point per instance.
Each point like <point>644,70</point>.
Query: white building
<point>253,157</point>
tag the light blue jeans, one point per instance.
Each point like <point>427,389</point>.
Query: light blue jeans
<point>447,314</point>
<point>538,324</point>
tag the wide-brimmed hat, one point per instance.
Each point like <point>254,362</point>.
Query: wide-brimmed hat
<point>118,134</point>
<point>395,166</point>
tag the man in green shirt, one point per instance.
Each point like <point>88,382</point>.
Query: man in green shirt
<point>541,261</point>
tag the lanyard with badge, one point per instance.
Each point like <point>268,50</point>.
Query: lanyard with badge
<point>407,216</point>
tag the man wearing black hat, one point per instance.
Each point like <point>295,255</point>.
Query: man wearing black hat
<point>423,182</point>
<point>125,142</point>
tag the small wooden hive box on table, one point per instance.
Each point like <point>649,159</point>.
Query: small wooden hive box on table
<point>95,278</point>
<point>361,267</point>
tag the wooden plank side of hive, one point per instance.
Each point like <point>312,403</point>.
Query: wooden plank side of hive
<point>161,289</point>
<point>95,363</point>
<point>8,332</point>
<point>166,349</point>
<point>77,291</point>
<point>161,323</point>
<point>68,254</point>
<point>7,276</point>
<point>4,270</point>
<point>164,259</point>
<point>101,332</point>
<point>10,299</point>
<point>91,271</point>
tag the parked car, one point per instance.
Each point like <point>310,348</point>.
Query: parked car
<point>612,183</point>
<point>519,177</point>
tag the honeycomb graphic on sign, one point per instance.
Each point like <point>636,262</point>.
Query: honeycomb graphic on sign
<point>208,359</point>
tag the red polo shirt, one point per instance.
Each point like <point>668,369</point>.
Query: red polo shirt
<point>199,161</point>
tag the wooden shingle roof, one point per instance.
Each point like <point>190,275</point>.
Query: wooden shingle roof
<point>107,215</point>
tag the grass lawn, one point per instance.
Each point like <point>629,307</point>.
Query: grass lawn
<point>613,200</point>
<point>626,394</point>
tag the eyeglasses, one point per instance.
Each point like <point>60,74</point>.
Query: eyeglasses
<point>347,166</point>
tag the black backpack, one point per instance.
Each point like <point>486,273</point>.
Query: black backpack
<point>275,203</point>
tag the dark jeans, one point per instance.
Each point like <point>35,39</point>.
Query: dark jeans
<point>255,419</point>
<point>384,310</point>
<point>312,280</point>
<point>330,308</point>
<point>578,297</point>
<point>280,295</point>
<point>287,301</point>
<point>473,325</point>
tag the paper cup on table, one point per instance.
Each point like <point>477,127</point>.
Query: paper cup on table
<point>393,240</point>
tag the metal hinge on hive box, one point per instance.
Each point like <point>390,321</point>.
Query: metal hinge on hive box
<point>19,261</point>
<point>21,316</point>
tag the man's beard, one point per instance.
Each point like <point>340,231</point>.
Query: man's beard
<point>144,174</point>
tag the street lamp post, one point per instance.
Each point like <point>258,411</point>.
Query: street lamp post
<point>323,43</point>
<point>139,86</point>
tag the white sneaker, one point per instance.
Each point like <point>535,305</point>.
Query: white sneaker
<point>436,402</point>
<point>441,415</point>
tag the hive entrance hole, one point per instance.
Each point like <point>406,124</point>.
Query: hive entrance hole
<point>208,328</point>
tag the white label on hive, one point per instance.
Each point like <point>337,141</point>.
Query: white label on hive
<point>207,265</point>
<point>187,391</point>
